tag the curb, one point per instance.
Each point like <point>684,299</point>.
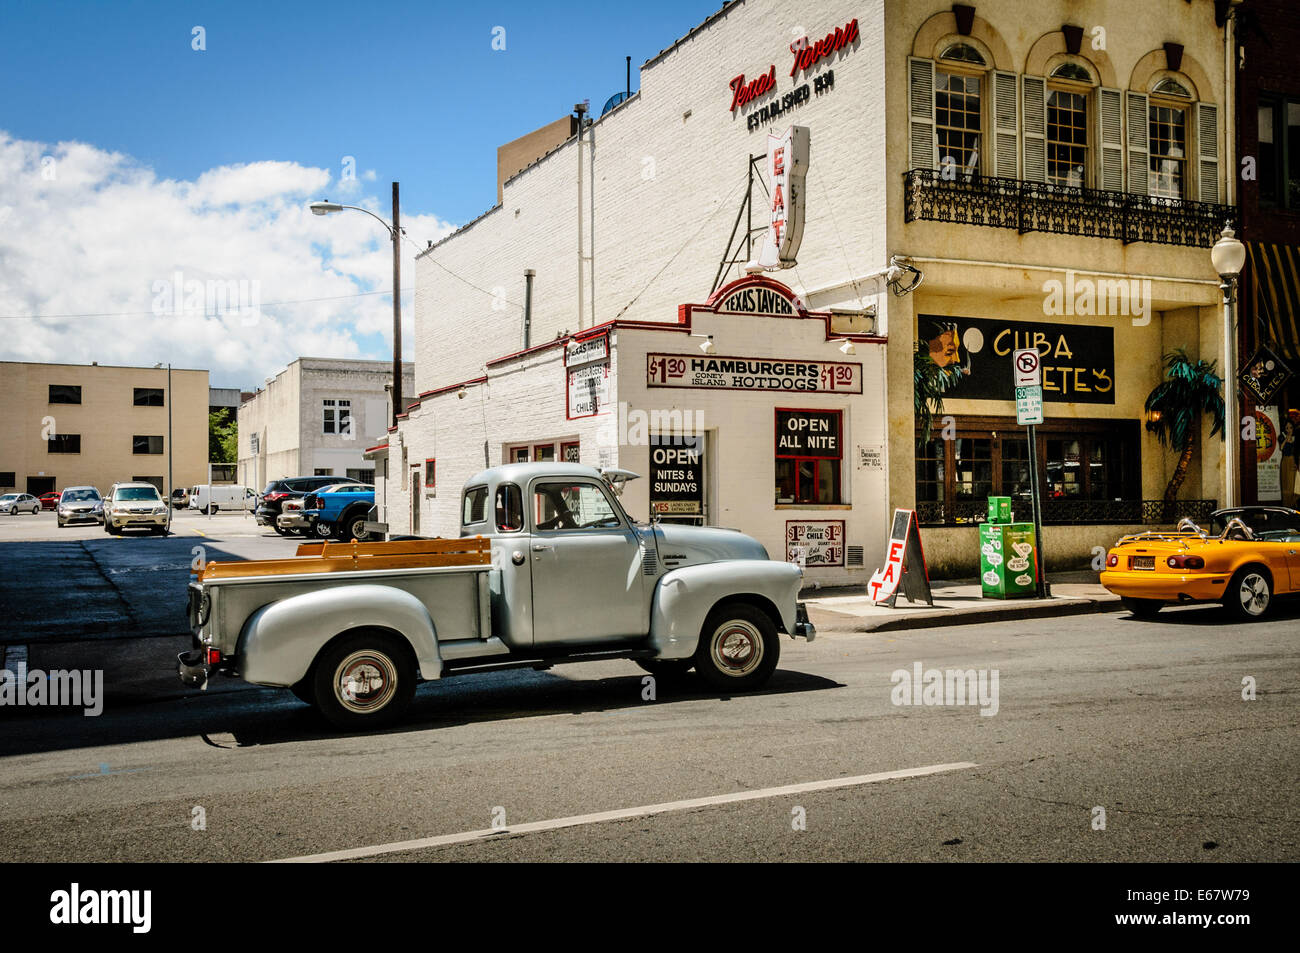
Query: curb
<point>942,619</point>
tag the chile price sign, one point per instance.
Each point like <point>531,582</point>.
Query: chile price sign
<point>814,543</point>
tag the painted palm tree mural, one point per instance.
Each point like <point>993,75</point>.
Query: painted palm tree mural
<point>1190,390</point>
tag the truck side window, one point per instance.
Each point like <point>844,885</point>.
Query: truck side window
<point>572,506</point>
<point>474,508</point>
<point>510,508</point>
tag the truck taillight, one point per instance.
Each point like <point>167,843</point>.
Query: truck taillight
<point>214,657</point>
<point>1112,560</point>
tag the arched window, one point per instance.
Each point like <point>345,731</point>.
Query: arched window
<point>1069,88</point>
<point>1167,138</point>
<point>958,109</point>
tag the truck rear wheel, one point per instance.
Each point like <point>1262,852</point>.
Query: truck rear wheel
<point>364,680</point>
<point>738,648</point>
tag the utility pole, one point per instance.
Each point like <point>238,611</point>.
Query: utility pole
<point>397,310</point>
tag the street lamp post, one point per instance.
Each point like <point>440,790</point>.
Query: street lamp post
<point>1228,256</point>
<point>167,497</point>
<point>395,233</point>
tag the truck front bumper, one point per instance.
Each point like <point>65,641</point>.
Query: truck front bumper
<point>803,627</point>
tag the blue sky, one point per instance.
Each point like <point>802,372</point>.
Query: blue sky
<point>413,91</point>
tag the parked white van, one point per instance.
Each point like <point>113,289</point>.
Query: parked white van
<point>209,499</point>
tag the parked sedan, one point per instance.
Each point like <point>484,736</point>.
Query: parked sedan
<point>49,500</point>
<point>15,503</point>
<point>80,504</point>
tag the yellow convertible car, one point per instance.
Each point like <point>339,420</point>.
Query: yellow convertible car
<point>1243,567</point>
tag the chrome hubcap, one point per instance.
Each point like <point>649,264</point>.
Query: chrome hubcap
<point>365,681</point>
<point>1254,594</point>
<point>737,648</point>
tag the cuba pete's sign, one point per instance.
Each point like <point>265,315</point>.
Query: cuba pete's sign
<point>1078,360</point>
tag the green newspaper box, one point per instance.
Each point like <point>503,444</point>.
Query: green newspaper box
<point>1008,560</point>
<point>999,509</point>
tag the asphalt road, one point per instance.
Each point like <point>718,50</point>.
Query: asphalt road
<point>1143,719</point>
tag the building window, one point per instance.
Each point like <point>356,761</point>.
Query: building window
<point>1279,152</point>
<point>1167,113</point>
<point>64,443</point>
<point>7,478</point>
<point>569,452</point>
<point>518,454</point>
<point>322,471</point>
<point>65,393</point>
<point>1079,460</point>
<point>337,417</point>
<point>809,452</point>
<point>145,444</point>
<point>362,476</point>
<point>430,473</point>
<point>544,453</point>
<point>1067,125</point>
<point>957,116</point>
<point>148,396</point>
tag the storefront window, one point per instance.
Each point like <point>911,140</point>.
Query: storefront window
<point>1080,461</point>
<point>808,457</point>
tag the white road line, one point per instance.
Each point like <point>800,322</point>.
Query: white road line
<point>623,814</point>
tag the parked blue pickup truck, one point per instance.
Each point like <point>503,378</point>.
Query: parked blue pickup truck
<point>341,513</point>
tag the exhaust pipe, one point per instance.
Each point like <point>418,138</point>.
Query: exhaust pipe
<point>191,669</point>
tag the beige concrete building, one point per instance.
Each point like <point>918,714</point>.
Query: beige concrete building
<point>92,425</point>
<point>315,418</point>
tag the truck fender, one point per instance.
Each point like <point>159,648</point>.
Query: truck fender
<point>280,641</point>
<point>684,598</point>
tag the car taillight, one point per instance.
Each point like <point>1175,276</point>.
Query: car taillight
<point>272,497</point>
<point>1185,562</point>
<point>1112,559</point>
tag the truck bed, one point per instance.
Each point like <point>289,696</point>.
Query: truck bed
<point>353,557</point>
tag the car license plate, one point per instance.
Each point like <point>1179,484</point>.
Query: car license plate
<point>1144,562</point>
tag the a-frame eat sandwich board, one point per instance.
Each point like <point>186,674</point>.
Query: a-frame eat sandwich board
<point>904,565</point>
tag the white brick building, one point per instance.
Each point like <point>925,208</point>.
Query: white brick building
<point>663,178</point>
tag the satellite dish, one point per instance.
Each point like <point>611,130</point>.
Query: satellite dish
<point>613,101</point>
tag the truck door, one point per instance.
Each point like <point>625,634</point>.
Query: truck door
<point>586,566</point>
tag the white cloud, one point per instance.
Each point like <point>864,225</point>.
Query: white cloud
<point>97,234</point>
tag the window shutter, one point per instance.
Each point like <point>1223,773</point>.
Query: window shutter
<point>1138,165</point>
<point>1035,128</point>
<point>1207,151</point>
<point>1110,140</point>
<point>1005,153</point>
<point>920,94</point>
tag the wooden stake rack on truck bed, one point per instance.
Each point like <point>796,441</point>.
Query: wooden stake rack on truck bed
<point>351,557</point>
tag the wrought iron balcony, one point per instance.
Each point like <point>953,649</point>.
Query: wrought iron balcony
<point>1060,209</point>
<point>1073,512</point>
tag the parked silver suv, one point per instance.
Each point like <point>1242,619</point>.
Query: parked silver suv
<point>134,505</point>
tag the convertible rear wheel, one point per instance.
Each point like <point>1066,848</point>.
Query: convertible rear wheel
<point>738,648</point>
<point>1250,594</point>
<point>364,681</point>
<point>1142,608</point>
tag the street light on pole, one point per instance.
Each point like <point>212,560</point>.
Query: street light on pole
<point>167,498</point>
<point>395,233</point>
<point>1229,256</point>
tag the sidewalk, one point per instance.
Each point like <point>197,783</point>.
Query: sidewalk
<point>849,609</point>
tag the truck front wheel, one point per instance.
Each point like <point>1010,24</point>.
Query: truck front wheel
<point>738,648</point>
<point>364,681</point>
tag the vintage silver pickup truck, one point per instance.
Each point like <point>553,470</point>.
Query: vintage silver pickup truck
<point>548,568</point>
